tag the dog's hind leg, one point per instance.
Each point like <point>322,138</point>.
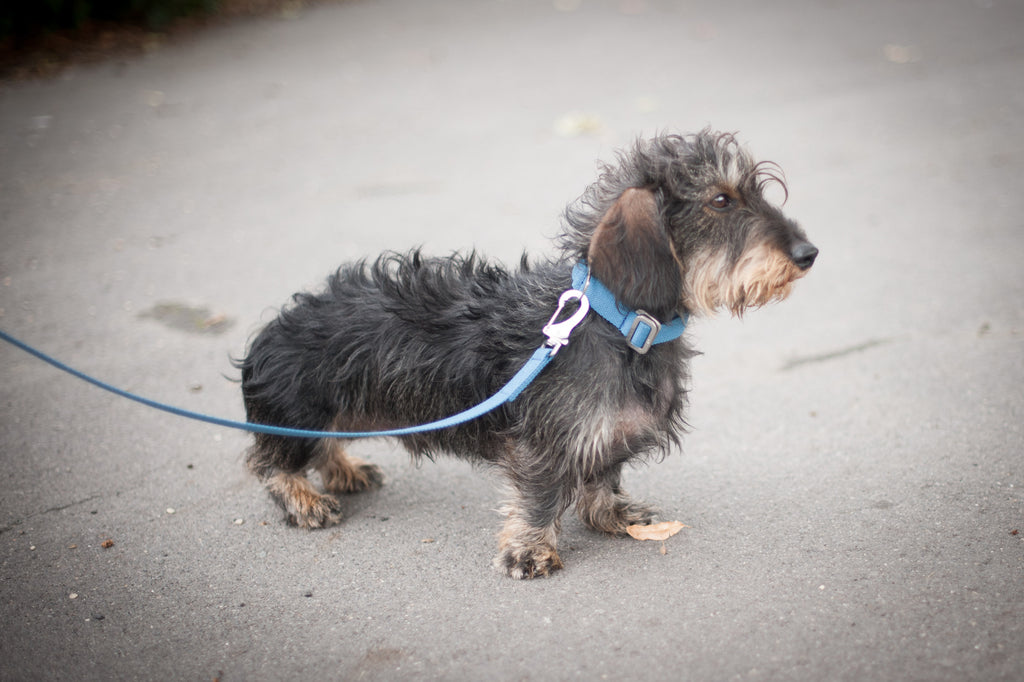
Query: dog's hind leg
<point>343,473</point>
<point>304,506</point>
<point>280,464</point>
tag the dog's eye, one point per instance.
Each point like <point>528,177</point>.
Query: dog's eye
<point>721,202</point>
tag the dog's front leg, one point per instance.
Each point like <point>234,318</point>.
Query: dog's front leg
<point>528,543</point>
<point>604,506</point>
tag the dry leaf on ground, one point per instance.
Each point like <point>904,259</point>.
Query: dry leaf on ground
<point>656,531</point>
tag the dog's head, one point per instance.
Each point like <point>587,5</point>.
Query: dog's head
<point>682,223</point>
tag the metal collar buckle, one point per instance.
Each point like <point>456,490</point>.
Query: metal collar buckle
<point>644,318</point>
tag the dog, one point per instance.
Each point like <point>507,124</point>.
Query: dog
<point>678,226</point>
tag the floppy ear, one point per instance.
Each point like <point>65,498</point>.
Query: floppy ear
<point>631,254</point>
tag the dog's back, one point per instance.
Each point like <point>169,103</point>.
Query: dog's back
<point>401,341</point>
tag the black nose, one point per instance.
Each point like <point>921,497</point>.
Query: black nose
<point>803,255</point>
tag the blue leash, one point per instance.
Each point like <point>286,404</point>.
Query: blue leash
<point>541,357</point>
<point>638,328</point>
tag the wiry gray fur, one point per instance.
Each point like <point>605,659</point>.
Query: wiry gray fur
<point>409,339</point>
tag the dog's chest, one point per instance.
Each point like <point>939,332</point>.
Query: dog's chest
<point>621,427</point>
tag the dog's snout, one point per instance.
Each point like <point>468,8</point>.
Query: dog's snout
<point>803,255</point>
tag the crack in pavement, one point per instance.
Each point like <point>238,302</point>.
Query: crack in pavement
<point>17,522</point>
<point>833,355</point>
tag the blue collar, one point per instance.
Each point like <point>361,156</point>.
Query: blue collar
<point>640,328</point>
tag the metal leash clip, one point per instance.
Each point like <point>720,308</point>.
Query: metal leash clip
<point>558,332</point>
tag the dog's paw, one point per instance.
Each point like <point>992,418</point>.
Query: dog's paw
<point>351,475</point>
<point>635,514</point>
<point>616,518</point>
<point>316,511</point>
<point>527,562</point>
<point>367,477</point>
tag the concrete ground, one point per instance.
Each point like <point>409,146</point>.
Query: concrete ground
<point>853,484</point>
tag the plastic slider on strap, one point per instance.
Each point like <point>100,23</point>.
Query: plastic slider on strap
<point>643,331</point>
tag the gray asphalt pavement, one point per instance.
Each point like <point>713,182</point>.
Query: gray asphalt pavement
<point>853,484</point>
